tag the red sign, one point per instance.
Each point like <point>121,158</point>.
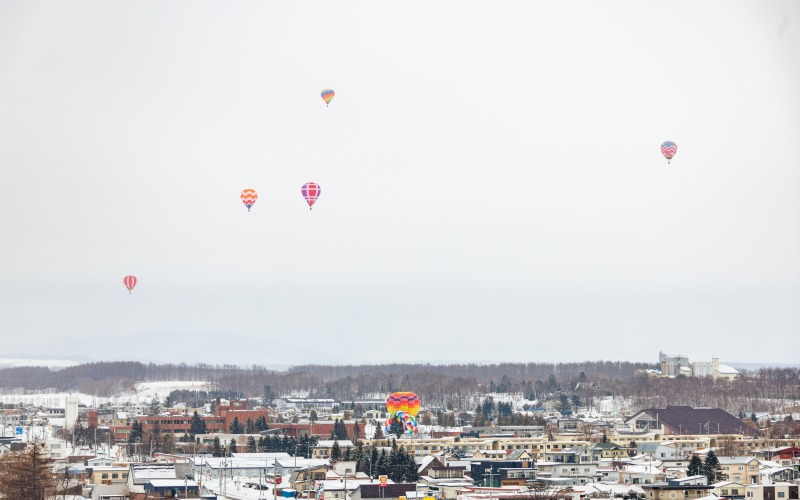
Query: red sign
<point>278,479</point>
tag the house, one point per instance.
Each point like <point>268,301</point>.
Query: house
<point>579,454</point>
<point>728,489</point>
<point>521,456</point>
<point>172,488</point>
<point>516,476</point>
<point>439,478</point>
<point>117,491</point>
<point>426,463</point>
<point>675,490</point>
<point>783,455</point>
<point>141,474</point>
<point>780,491</point>
<point>687,420</point>
<point>324,447</point>
<point>578,473</point>
<point>744,470</point>
<point>304,479</point>
<point>774,475</point>
<point>108,475</point>
<point>607,450</point>
<point>657,450</point>
<point>487,472</point>
<point>374,491</point>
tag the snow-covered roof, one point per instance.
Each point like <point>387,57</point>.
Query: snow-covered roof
<point>727,370</point>
<point>173,483</point>
<point>425,462</point>
<point>328,443</point>
<point>735,460</point>
<point>141,472</point>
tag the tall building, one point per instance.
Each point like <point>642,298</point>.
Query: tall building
<point>71,412</point>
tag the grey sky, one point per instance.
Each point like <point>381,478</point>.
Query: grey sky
<point>491,182</point>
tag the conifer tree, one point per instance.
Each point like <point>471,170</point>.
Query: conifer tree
<point>232,446</point>
<point>695,467</point>
<point>382,467</point>
<point>197,425</point>
<point>336,452</point>
<point>216,449</point>
<point>251,444</point>
<point>236,426</point>
<point>711,468</point>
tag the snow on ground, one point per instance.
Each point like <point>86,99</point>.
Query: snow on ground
<point>50,363</point>
<point>144,393</point>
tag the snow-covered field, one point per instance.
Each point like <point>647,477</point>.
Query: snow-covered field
<point>50,363</point>
<point>144,393</point>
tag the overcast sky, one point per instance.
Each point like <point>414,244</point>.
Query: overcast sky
<point>492,186</point>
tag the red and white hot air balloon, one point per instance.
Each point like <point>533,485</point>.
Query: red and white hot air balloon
<point>311,192</point>
<point>129,282</point>
<point>669,149</point>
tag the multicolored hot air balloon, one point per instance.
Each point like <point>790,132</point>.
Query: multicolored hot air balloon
<point>249,197</point>
<point>311,192</point>
<point>129,282</point>
<point>406,402</point>
<point>668,149</point>
<point>409,423</point>
<point>327,96</point>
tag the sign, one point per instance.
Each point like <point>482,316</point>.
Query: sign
<point>18,431</point>
<point>382,480</point>
<point>278,479</point>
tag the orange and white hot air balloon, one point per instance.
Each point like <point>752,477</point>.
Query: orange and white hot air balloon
<point>249,197</point>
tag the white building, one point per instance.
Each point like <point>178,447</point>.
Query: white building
<point>71,412</point>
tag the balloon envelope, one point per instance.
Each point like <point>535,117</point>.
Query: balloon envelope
<point>311,192</point>
<point>249,197</point>
<point>327,95</point>
<point>406,402</point>
<point>668,149</point>
<point>129,282</point>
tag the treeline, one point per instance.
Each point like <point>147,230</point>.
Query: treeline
<point>441,387</point>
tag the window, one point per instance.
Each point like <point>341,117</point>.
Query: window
<point>672,495</point>
<point>781,494</point>
<point>105,476</point>
<point>115,476</point>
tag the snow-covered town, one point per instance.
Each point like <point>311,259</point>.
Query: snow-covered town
<point>142,446</point>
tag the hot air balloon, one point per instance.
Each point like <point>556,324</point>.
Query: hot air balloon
<point>409,424</point>
<point>311,192</point>
<point>129,282</point>
<point>668,149</point>
<point>406,402</point>
<point>327,96</point>
<point>249,197</point>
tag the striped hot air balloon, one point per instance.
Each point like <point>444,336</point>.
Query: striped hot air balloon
<point>406,402</point>
<point>668,149</point>
<point>311,192</point>
<point>129,282</point>
<point>249,197</point>
<point>327,96</point>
